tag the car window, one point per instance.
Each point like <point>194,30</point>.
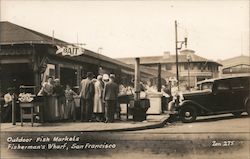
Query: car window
<point>223,85</point>
<point>239,84</point>
<point>207,86</point>
<point>204,86</point>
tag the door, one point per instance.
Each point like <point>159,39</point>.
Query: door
<point>240,87</point>
<point>222,96</point>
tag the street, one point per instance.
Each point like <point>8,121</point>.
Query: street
<point>216,137</point>
<point>225,123</point>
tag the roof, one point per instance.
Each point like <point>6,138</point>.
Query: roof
<point>221,78</point>
<point>235,61</point>
<point>15,34</point>
<point>182,58</point>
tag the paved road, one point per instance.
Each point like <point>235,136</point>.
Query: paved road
<point>222,137</point>
<point>226,123</point>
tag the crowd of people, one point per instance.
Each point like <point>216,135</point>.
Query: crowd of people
<point>98,99</point>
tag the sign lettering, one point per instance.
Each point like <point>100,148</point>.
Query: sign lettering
<point>70,50</point>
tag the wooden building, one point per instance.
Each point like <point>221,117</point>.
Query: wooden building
<point>27,57</point>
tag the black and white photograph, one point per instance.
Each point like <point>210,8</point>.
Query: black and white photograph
<point>111,79</point>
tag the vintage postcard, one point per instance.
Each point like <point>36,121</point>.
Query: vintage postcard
<point>124,79</point>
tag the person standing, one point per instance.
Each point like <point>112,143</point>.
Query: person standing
<point>7,107</point>
<point>87,95</point>
<point>98,99</point>
<point>49,101</point>
<point>58,93</point>
<point>70,110</point>
<point>176,96</point>
<point>111,91</point>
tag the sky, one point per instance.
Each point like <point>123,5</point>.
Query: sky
<point>215,29</point>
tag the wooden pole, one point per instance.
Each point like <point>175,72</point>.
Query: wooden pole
<point>57,71</point>
<point>37,79</point>
<point>79,77</point>
<point>188,74</point>
<point>137,79</point>
<point>159,78</point>
<point>13,104</point>
<point>176,54</point>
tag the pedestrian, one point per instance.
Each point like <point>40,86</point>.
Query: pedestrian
<point>58,93</point>
<point>105,79</point>
<point>47,88</point>
<point>111,91</point>
<point>7,107</point>
<point>87,95</point>
<point>70,110</point>
<point>98,99</point>
<point>49,101</point>
<point>176,96</point>
<point>166,94</point>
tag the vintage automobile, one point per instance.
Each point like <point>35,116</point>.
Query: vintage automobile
<point>215,96</point>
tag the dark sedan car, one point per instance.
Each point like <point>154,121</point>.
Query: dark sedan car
<point>216,96</point>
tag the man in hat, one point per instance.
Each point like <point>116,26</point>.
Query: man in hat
<point>111,91</point>
<point>87,95</point>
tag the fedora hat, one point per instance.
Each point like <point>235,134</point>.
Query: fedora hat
<point>90,74</point>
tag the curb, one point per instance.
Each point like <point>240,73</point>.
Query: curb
<point>155,125</point>
<point>160,124</point>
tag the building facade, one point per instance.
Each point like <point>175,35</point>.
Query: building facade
<point>235,66</point>
<point>28,58</point>
<point>192,68</point>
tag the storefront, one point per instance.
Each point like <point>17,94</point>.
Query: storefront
<point>29,58</point>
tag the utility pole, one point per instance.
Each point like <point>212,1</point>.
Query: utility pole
<point>53,37</point>
<point>176,52</point>
<point>159,78</point>
<point>137,80</point>
<point>176,55</point>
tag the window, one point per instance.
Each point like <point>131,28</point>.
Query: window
<point>200,67</point>
<point>223,85</point>
<point>168,66</point>
<point>190,65</point>
<point>206,86</point>
<point>239,84</point>
<point>186,66</point>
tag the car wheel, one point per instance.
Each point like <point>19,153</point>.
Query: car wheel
<point>237,114</point>
<point>188,114</point>
<point>248,108</point>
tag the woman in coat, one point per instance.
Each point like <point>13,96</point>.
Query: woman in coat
<point>98,108</point>
<point>49,102</point>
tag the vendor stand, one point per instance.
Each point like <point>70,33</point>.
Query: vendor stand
<point>125,99</point>
<point>31,106</point>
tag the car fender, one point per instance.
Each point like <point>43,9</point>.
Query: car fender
<point>190,102</point>
<point>246,101</point>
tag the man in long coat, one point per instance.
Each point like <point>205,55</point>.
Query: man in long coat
<point>87,95</point>
<point>111,91</point>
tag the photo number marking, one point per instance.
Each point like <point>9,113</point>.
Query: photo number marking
<point>222,143</point>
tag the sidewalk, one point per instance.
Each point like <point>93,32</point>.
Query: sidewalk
<point>153,121</point>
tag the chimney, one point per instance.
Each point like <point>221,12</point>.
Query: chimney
<point>166,55</point>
